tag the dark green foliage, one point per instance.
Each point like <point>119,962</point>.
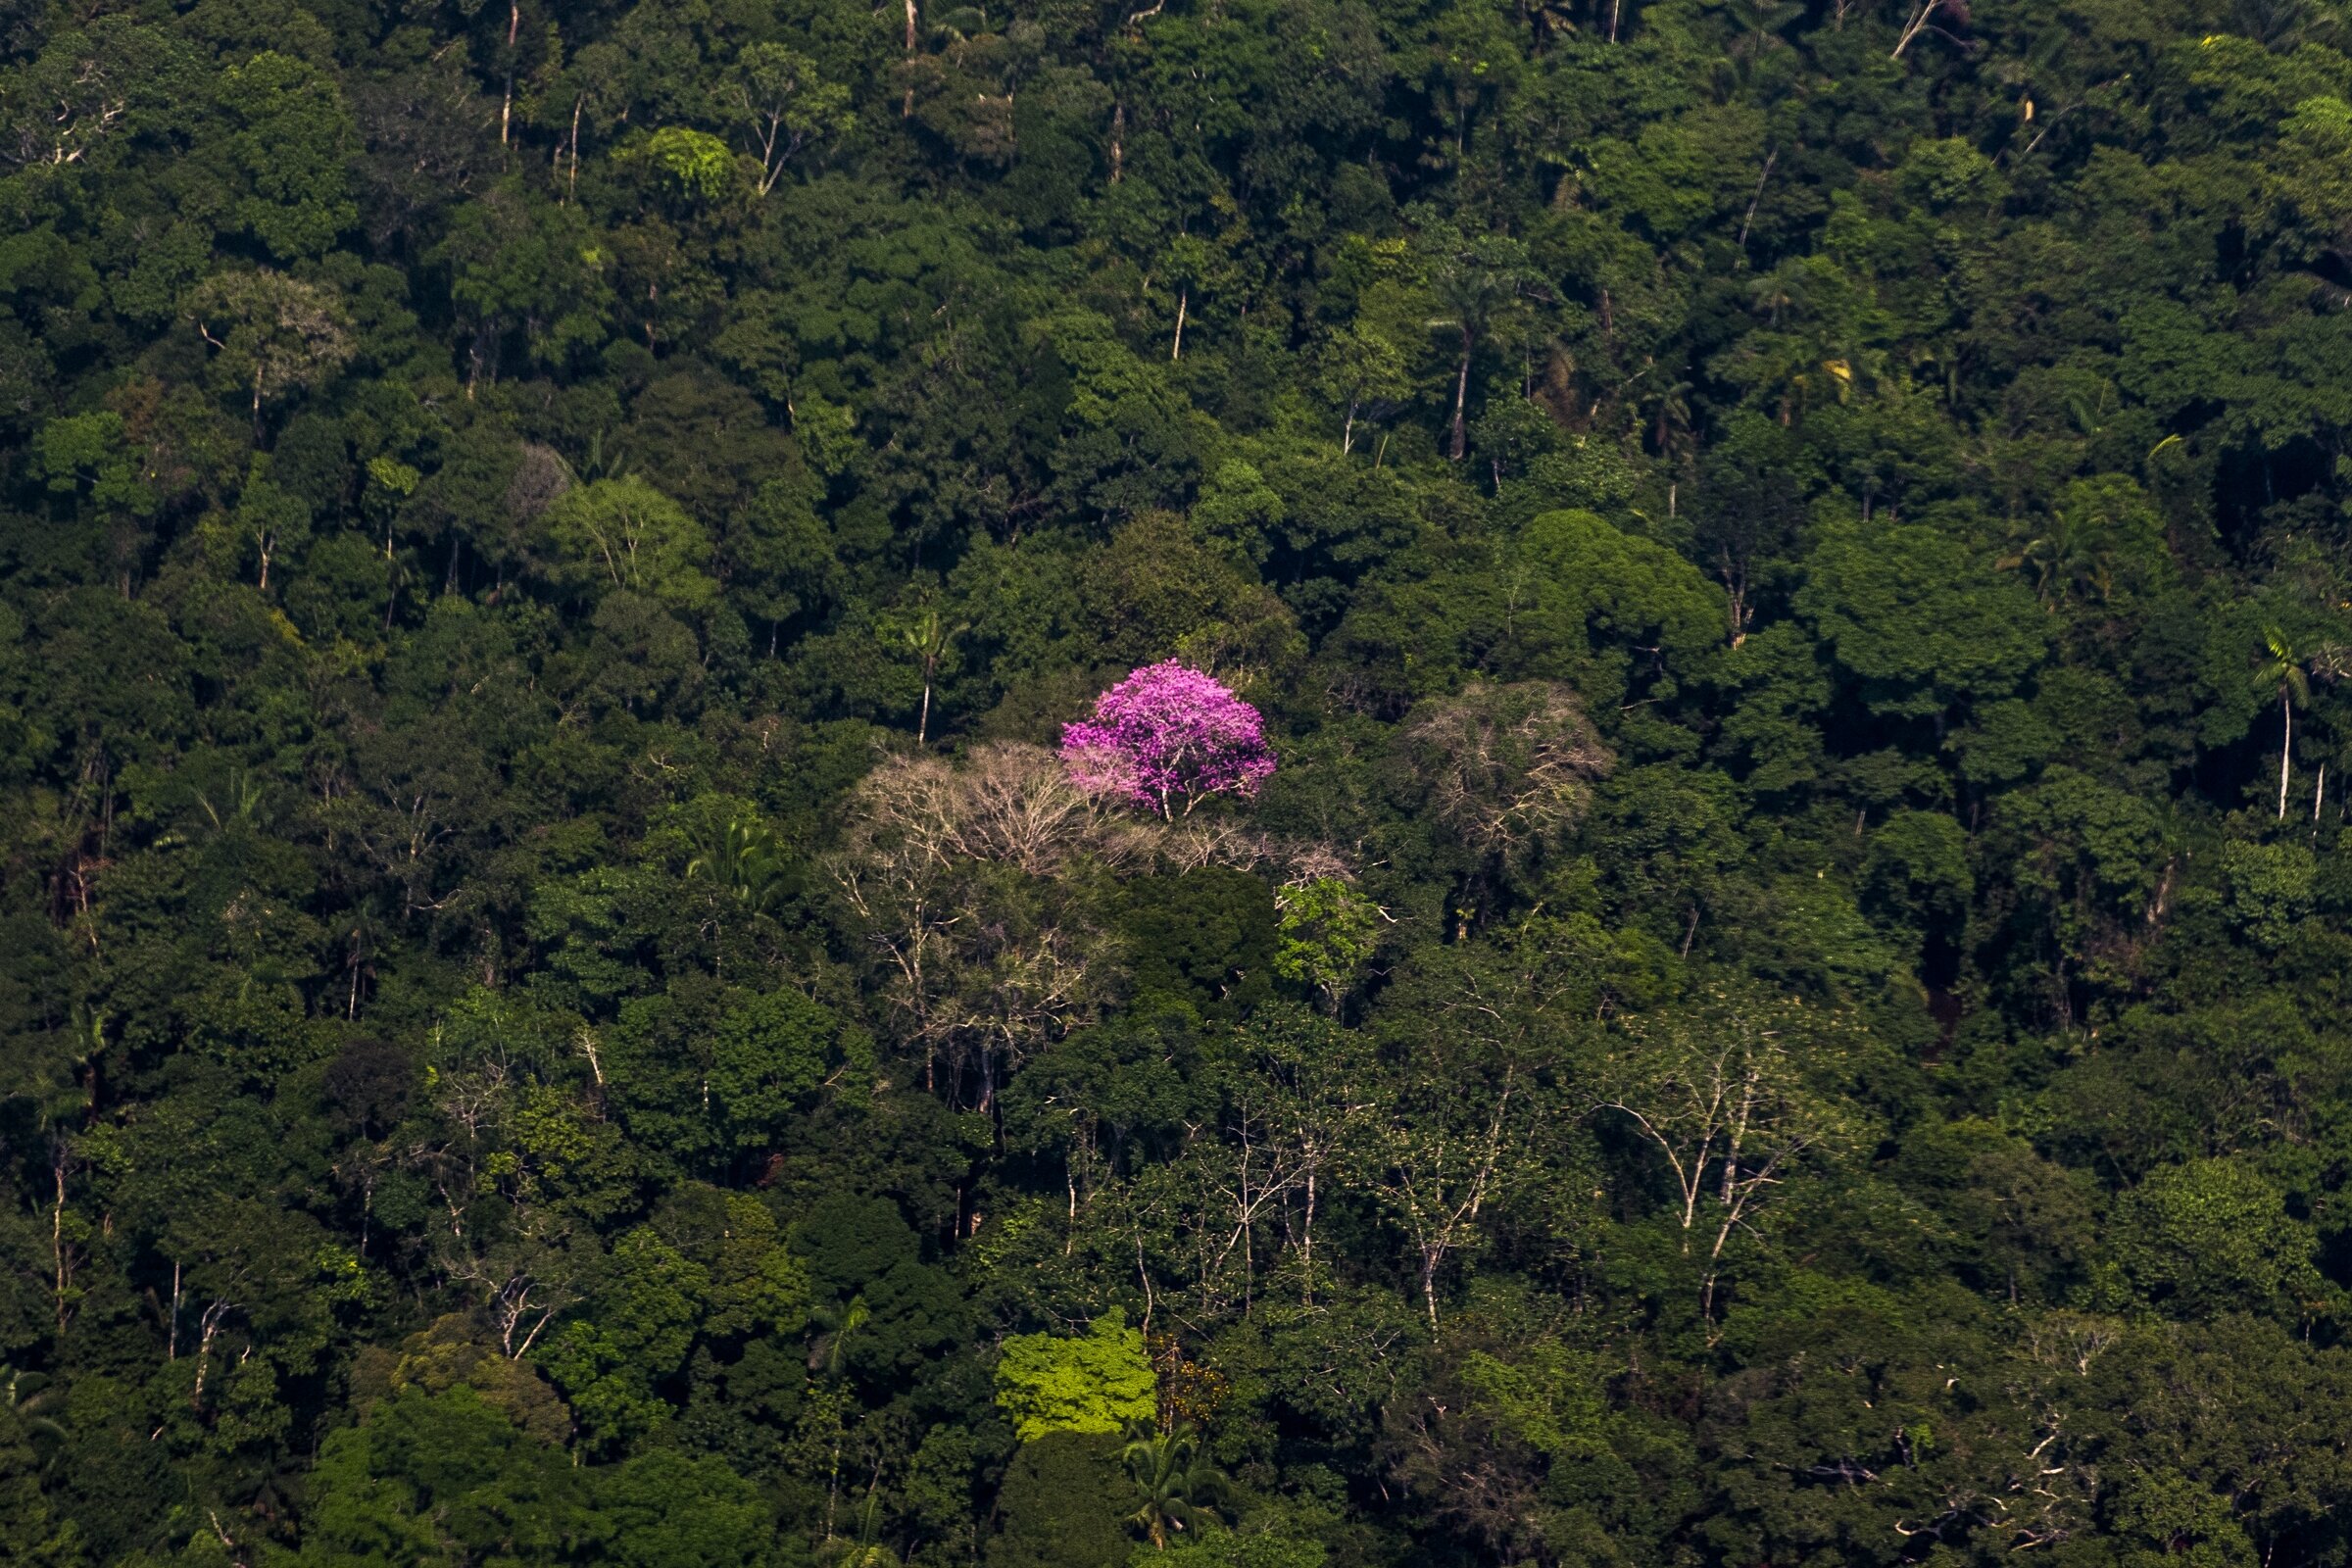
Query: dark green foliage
<point>1063,1504</point>
<point>1786,1004</point>
<point>1205,937</point>
<point>442,1472</point>
<point>850,1242</point>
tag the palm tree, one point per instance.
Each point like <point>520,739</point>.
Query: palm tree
<point>864,1551</point>
<point>1761,23</point>
<point>828,1352</point>
<point>25,1395</point>
<point>960,24</point>
<point>2062,558</point>
<point>828,1358</point>
<point>2288,670</point>
<point>1174,1477</point>
<point>748,859</point>
<point>929,637</point>
<point>2283,673</point>
<point>1478,278</point>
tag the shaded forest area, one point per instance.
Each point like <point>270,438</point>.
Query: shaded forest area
<point>1238,783</point>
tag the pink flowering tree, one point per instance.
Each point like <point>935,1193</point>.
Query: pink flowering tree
<point>1167,738</point>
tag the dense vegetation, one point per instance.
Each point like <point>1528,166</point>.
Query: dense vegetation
<point>1781,1002</point>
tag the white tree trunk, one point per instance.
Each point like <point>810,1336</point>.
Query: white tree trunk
<point>2286,747</point>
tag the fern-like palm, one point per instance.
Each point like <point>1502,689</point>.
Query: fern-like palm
<point>27,1396</point>
<point>864,1551</point>
<point>748,860</point>
<point>828,1352</point>
<point>1176,1479</point>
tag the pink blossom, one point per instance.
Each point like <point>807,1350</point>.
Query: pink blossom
<point>1168,734</point>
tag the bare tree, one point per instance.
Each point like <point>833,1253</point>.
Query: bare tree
<point>1920,17</point>
<point>1464,1111</point>
<point>1315,1097</point>
<point>1506,765</point>
<point>949,869</point>
<point>274,333</point>
<point>1725,1091</point>
<point>1439,1176</point>
<point>1262,1172</point>
<point>2071,1341</point>
<point>965,880</point>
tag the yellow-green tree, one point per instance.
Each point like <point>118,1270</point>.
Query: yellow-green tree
<point>1096,1381</point>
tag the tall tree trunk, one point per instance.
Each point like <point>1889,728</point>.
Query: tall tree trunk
<point>1306,1246</point>
<point>56,1240</point>
<point>1184,298</point>
<point>571,187</point>
<point>1461,396</point>
<point>506,109</point>
<point>2286,744</point>
<point>1920,15</point>
<point>907,107</point>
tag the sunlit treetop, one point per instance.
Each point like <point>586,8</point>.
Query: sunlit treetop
<point>1166,737</point>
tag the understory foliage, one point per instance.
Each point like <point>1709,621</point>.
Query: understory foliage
<point>1239,783</point>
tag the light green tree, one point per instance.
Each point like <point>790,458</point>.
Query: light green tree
<point>695,162</point>
<point>1361,366</point>
<point>623,533</point>
<point>1325,931</point>
<point>1098,1381</point>
<point>782,103</point>
<point>90,455</point>
<point>2214,1235</point>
